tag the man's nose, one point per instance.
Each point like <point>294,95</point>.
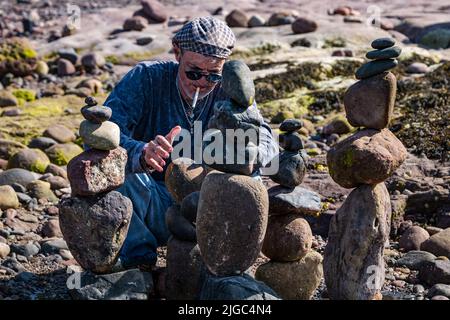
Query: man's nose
<point>203,82</point>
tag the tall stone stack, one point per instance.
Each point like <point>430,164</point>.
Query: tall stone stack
<point>183,179</point>
<point>95,219</point>
<point>353,260</point>
<point>235,112</point>
<point>228,214</point>
<point>294,270</point>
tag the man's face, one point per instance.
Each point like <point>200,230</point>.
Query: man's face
<point>192,61</point>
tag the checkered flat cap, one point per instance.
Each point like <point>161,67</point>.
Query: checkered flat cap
<point>206,35</point>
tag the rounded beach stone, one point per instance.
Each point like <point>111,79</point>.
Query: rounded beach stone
<point>291,169</point>
<point>60,133</point>
<point>413,238</point>
<point>291,142</point>
<point>30,159</point>
<point>382,43</point>
<point>291,125</point>
<point>183,176</point>
<point>296,280</point>
<point>288,238</point>
<point>104,136</point>
<point>179,226</point>
<point>189,206</point>
<point>387,53</point>
<point>367,157</point>
<point>231,222</point>
<point>96,114</point>
<point>237,82</point>
<point>370,102</point>
<point>8,198</point>
<point>375,67</point>
<point>41,190</point>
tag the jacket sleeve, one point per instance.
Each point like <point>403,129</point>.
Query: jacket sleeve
<point>268,148</point>
<point>127,101</point>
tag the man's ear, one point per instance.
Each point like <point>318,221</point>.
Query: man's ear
<point>177,51</point>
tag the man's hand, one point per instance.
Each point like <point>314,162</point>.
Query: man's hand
<point>159,149</point>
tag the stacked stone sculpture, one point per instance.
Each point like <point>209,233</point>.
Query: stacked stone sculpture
<point>235,112</point>
<point>95,219</point>
<point>183,179</point>
<point>353,259</point>
<point>224,211</point>
<point>294,270</point>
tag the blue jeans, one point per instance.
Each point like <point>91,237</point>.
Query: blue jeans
<point>147,228</point>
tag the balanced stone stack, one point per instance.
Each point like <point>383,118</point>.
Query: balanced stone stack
<point>95,219</point>
<point>225,212</point>
<point>236,113</point>
<point>183,180</point>
<point>294,270</point>
<point>353,260</point>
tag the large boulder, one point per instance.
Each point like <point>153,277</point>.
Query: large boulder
<point>367,157</point>
<point>179,226</point>
<point>183,176</point>
<point>8,198</point>
<point>288,238</point>
<point>184,269</point>
<point>369,102</point>
<point>298,200</point>
<point>30,159</point>
<point>353,258</point>
<point>296,280</point>
<point>95,228</point>
<point>438,244</point>
<point>95,171</point>
<point>231,222</point>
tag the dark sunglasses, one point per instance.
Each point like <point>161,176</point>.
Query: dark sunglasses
<point>197,75</point>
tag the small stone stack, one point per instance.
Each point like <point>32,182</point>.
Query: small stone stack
<point>383,58</point>
<point>95,219</point>
<point>353,260</point>
<point>294,270</point>
<point>292,159</point>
